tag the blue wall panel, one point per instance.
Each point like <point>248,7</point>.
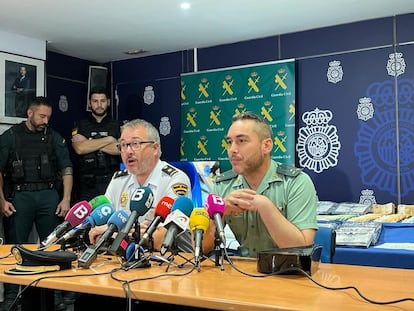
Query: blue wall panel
<point>236,54</point>
<point>361,71</point>
<point>348,37</point>
<point>405,26</point>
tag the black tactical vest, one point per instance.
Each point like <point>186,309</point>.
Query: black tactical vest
<point>33,159</point>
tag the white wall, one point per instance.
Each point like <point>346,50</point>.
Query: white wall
<point>21,45</point>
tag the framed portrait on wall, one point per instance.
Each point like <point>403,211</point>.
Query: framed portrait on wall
<point>97,78</point>
<point>21,79</point>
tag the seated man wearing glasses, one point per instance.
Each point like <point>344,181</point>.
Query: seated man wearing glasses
<point>141,151</point>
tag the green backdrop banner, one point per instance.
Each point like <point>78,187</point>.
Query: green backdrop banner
<point>209,99</point>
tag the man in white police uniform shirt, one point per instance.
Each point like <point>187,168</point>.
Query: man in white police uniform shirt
<point>140,151</point>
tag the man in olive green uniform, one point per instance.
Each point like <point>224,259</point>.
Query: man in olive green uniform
<point>267,204</point>
<point>35,180</point>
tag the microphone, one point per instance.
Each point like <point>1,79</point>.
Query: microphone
<point>141,201</point>
<point>99,216</point>
<point>199,223</point>
<point>215,207</point>
<point>161,211</point>
<point>74,217</point>
<point>98,201</point>
<point>115,223</point>
<point>176,222</point>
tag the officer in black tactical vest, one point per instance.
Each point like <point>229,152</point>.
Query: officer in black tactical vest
<point>35,180</point>
<point>95,141</point>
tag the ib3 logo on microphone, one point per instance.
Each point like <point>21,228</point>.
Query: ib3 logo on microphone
<point>82,210</point>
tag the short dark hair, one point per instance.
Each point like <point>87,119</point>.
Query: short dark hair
<point>40,100</point>
<point>262,128</point>
<point>97,90</point>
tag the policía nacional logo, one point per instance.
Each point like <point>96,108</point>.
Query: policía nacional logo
<point>335,72</point>
<point>165,126</point>
<point>149,95</point>
<point>367,197</point>
<point>365,110</point>
<point>318,145</point>
<point>396,64</point>
<point>63,103</point>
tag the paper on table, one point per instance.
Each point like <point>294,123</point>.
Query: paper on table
<point>407,246</point>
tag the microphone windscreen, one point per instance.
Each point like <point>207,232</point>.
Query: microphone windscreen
<point>141,200</point>
<point>214,204</point>
<point>99,200</point>
<point>184,204</point>
<point>100,215</point>
<point>118,219</point>
<point>78,213</point>
<point>199,219</point>
<point>163,207</point>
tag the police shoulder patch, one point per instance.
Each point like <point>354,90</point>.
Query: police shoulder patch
<point>288,170</point>
<point>169,170</point>
<point>180,189</point>
<point>225,176</point>
<point>121,173</point>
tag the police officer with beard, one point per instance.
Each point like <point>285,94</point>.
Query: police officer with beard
<point>95,141</point>
<point>37,172</point>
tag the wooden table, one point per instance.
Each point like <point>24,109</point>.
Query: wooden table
<point>229,289</point>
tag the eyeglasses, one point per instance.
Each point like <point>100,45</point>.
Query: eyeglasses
<point>135,145</point>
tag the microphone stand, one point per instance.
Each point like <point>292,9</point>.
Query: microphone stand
<point>139,260</point>
<point>218,252</point>
<point>175,251</point>
<point>77,244</point>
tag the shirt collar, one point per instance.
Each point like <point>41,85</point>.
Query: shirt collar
<point>270,177</point>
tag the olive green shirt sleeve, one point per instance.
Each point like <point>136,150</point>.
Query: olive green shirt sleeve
<point>294,196</point>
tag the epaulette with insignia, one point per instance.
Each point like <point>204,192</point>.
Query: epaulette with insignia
<point>288,170</point>
<point>225,176</point>
<point>117,174</point>
<point>169,170</point>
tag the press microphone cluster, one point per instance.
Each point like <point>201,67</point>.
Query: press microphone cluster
<point>115,224</point>
<point>162,210</point>
<point>74,217</point>
<point>141,201</point>
<point>99,216</point>
<point>199,223</point>
<point>177,221</point>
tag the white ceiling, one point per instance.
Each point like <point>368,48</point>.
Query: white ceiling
<point>102,30</point>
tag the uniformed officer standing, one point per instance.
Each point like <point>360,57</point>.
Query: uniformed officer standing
<point>37,172</point>
<point>95,140</point>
